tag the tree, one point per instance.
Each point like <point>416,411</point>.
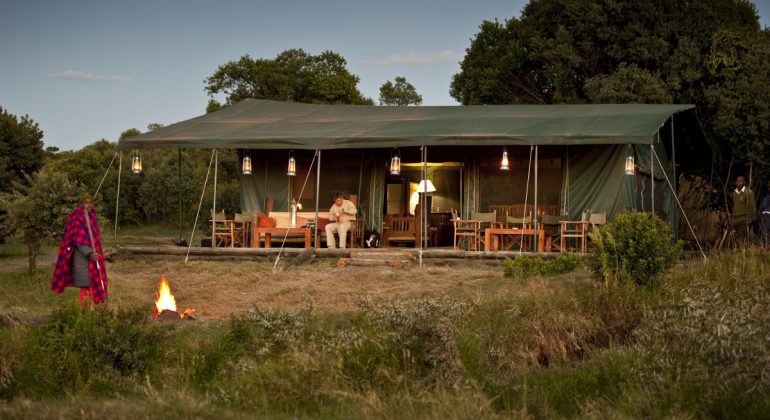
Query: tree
<point>628,85</point>
<point>21,148</point>
<point>401,93</point>
<point>38,208</point>
<point>292,75</point>
<point>709,53</point>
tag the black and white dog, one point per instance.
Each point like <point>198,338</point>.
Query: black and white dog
<point>372,239</point>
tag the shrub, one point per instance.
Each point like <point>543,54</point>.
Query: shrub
<point>525,266</point>
<point>91,349</point>
<point>635,246</point>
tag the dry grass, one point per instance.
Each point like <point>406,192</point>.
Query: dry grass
<point>217,289</point>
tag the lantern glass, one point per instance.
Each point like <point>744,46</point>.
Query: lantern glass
<point>629,170</point>
<point>395,164</point>
<point>136,164</point>
<point>246,165</point>
<point>292,169</point>
<point>504,162</point>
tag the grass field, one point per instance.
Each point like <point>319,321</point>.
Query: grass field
<point>317,341</point>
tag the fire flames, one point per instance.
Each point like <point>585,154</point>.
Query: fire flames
<point>165,304</point>
<point>164,299</point>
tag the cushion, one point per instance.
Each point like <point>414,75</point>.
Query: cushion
<point>265,221</point>
<point>322,222</point>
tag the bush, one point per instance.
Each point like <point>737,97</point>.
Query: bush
<point>82,350</point>
<point>635,246</point>
<point>525,266</point>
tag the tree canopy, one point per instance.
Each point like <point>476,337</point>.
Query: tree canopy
<point>292,75</point>
<point>21,148</point>
<point>710,53</point>
<point>401,93</point>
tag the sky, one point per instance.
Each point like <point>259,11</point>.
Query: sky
<point>90,69</point>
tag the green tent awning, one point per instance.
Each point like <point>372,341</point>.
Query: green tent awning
<point>261,124</point>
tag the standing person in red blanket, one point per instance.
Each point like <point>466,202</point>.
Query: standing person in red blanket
<point>81,261</point>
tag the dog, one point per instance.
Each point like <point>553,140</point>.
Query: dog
<point>373,239</point>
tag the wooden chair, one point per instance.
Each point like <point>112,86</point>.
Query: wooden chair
<point>527,242</point>
<point>354,238</point>
<point>552,226</point>
<point>597,219</point>
<point>241,228</point>
<point>576,229</point>
<point>224,232</point>
<point>486,220</point>
<point>466,229</point>
<point>400,229</point>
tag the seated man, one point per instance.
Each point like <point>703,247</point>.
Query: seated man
<point>341,214</point>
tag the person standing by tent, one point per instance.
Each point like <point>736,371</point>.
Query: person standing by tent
<point>80,262</point>
<point>341,214</point>
<point>744,209</point>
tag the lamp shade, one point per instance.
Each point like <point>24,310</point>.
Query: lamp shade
<point>246,165</point>
<point>426,186</point>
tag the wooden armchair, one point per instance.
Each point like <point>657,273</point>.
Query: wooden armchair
<point>467,229</point>
<point>400,229</point>
<point>574,229</point>
<point>224,230</point>
<point>241,224</point>
<point>486,220</point>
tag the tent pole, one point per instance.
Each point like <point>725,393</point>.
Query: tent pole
<point>652,176</point>
<point>117,202</point>
<point>460,210</point>
<point>214,211</point>
<point>179,187</point>
<point>673,155</point>
<point>317,189</point>
<point>534,223</point>
<point>425,199</point>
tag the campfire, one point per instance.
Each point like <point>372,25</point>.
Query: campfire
<point>165,304</point>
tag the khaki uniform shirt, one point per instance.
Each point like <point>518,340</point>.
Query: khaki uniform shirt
<point>743,204</point>
<point>347,212</point>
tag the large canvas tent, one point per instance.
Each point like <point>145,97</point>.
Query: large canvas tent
<point>579,152</point>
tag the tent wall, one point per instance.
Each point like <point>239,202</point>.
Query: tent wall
<point>597,181</point>
<point>340,171</point>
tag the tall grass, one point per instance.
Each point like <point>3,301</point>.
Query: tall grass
<point>694,345</point>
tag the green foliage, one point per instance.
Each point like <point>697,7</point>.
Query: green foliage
<point>401,93</point>
<point>628,85</point>
<point>633,246</point>
<point>525,266</point>
<point>694,348</point>
<point>153,195</point>
<point>86,351</point>
<point>38,209</point>
<point>293,75</point>
<point>21,148</point>
<point>709,53</point>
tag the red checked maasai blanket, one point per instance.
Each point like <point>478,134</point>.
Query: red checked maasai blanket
<point>76,233</point>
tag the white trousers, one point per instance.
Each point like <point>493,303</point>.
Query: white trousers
<point>342,229</point>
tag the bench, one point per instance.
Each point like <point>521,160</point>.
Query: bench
<point>400,229</point>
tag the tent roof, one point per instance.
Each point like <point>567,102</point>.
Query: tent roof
<point>261,124</point>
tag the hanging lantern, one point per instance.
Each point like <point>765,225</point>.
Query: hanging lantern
<point>630,169</point>
<point>292,170</point>
<point>136,163</point>
<point>504,162</point>
<point>395,162</point>
<point>246,167</point>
